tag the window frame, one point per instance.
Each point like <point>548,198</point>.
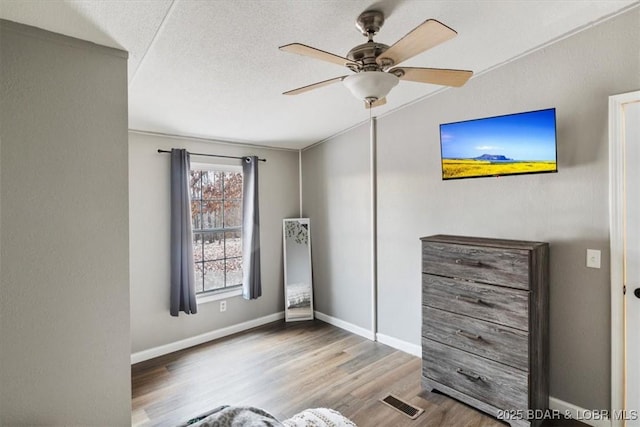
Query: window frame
<point>226,292</point>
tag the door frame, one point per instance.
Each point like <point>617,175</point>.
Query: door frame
<point>616,235</point>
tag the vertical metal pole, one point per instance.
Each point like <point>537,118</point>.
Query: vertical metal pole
<point>374,227</point>
<point>300,182</point>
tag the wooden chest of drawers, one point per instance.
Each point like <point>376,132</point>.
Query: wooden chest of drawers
<point>485,324</point>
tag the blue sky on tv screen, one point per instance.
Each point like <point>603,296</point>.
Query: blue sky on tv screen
<point>524,136</point>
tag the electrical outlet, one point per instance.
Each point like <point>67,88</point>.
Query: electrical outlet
<point>223,306</point>
<point>593,258</point>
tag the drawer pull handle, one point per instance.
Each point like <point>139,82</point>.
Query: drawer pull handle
<point>469,299</point>
<point>471,376</point>
<point>462,333</point>
<point>469,262</point>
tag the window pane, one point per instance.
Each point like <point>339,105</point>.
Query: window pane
<point>234,271</point>
<point>212,185</point>
<point>216,205</point>
<point>197,247</point>
<point>194,184</point>
<point>233,185</point>
<point>232,213</point>
<point>211,214</point>
<point>213,246</point>
<point>233,244</point>
<point>213,275</point>
<point>198,277</point>
<point>196,217</point>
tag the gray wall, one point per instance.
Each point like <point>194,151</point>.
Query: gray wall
<point>64,295</point>
<point>568,209</point>
<point>151,324</point>
<point>336,197</point>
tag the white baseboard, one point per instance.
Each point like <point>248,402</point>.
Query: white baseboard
<point>589,417</point>
<point>407,347</point>
<point>345,325</point>
<point>202,338</point>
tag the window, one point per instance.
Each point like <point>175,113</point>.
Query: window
<point>216,209</point>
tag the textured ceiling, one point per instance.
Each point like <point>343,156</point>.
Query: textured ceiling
<point>212,69</point>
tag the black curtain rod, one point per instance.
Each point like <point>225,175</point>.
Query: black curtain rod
<point>212,155</point>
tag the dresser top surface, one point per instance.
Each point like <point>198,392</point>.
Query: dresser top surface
<point>483,241</point>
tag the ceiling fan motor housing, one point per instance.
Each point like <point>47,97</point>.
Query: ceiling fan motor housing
<point>366,54</point>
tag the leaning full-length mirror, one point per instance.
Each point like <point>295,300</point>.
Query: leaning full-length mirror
<point>298,289</point>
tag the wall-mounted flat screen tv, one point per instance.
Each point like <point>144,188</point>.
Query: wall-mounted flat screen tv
<point>512,144</point>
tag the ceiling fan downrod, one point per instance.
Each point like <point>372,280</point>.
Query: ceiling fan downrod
<point>368,23</point>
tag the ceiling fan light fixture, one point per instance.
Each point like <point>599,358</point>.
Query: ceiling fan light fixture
<point>368,85</point>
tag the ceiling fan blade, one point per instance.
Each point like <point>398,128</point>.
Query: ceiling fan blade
<point>436,76</point>
<point>314,86</point>
<point>425,36</point>
<point>377,103</point>
<point>312,52</point>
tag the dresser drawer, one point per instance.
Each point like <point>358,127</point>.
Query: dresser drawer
<point>500,343</point>
<point>509,307</point>
<point>491,382</point>
<point>506,267</point>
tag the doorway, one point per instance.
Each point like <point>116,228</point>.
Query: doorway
<point>624,156</point>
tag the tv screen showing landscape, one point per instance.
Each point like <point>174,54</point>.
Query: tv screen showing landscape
<point>513,144</point>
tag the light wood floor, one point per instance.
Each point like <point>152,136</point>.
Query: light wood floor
<point>285,368</point>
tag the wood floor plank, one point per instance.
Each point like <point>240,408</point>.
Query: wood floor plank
<point>285,368</point>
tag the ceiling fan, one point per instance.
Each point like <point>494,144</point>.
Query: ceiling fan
<point>372,62</point>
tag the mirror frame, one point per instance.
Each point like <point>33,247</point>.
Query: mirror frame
<point>305,225</point>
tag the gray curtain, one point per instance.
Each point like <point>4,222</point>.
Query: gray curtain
<point>251,285</point>
<point>183,292</point>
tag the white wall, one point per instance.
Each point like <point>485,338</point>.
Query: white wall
<point>149,190</point>
<point>64,295</point>
<point>568,209</point>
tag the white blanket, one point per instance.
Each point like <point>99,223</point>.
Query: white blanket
<point>319,417</point>
<point>241,416</point>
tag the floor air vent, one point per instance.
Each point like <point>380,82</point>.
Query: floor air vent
<point>402,406</point>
